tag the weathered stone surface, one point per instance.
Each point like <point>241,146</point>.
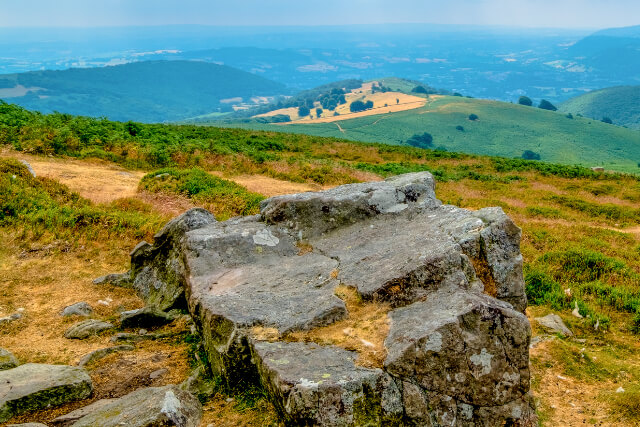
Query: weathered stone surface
<point>147,407</point>
<point>554,324</point>
<point>321,385</point>
<point>147,317</point>
<point>115,279</point>
<point>200,384</point>
<point>470,348</point>
<point>28,425</point>
<point>70,418</point>
<point>11,318</point>
<point>87,328</point>
<point>96,355</point>
<point>458,346</point>
<point>78,309</point>
<point>7,360</point>
<point>31,387</point>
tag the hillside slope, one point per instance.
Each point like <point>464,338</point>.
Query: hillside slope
<point>144,91</point>
<point>502,129</point>
<point>621,104</point>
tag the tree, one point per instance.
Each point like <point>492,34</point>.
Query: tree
<point>421,141</point>
<point>319,112</point>
<point>397,100</point>
<point>530,155</point>
<point>357,106</point>
<point>525,100</point>
<point>546,105</point>
<point>460,128</point>
<point>473,117</point>
<point>303,111</point>
<point>607,120</point>
<point>419,89</point>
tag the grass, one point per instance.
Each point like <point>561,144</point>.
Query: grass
<point>222,197</point>
<point>620,104</point>
<point>503,129</point>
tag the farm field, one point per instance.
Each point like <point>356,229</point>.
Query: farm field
<point>501,129</point>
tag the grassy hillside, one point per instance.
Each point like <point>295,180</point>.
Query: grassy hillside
<point>621,104</point>
<point>151,91</point>
<point>501,129</point>
<point>581,240</point>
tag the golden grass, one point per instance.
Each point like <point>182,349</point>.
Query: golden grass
<point>363,331</point>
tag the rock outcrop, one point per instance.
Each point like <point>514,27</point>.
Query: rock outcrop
<point>458,345</point>
<point>30,387</point>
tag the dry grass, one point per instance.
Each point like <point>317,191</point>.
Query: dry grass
<point>363,331</point>
<point>269,187</point>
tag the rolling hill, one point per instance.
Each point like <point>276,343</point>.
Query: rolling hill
<point>501,129</point>
<point>150,91</point>
<point>621,104</point>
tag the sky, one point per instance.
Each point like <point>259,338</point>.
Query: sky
<point>518,13</point>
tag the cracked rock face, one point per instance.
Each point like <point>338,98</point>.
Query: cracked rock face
<point>457,350</point>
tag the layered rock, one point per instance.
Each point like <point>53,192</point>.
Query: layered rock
<point>458,341</point>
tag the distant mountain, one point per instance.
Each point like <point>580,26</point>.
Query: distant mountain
<point>621,104</point>
<point>612,55</point>
<point>149,91</point>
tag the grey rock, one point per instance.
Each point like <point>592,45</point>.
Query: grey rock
<point>554,324</point>
<point>70,418</point>
<point>7,360</point>
<point>200,384</point>
<point>11,318</point>
<point>147,317</point>
<point>321,385</point>
<point>78,309</point>
<point>147,407</point>
<point>87,328</point>
<point>116,279</point>
<point>30,387</point>
<point>29,168</point>
<point>28,425</point>
<point>452,277</point>
<point>158,373</point>
<point>128,337</point>
<point>459,344</point>
<point>96,355</point>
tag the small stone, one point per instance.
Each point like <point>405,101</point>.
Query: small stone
<point>159,373</point>
<point>29,168</point>
<point>94,356</point>
<point>87,328</point>
<point>554,324</point>
<point>102,302</point>
<point>143,332</point>
<point>7,360</point>
<point>8,319</point>
<point>620,390</point>
<point>78,309</point>
<point>146,317</point>
<point>229,399</point>
<point>576,311</point>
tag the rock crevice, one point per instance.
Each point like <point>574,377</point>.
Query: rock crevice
<point>457,349</point>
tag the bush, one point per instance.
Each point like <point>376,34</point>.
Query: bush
<point>460,128</point>
<point>525,100</point>
<point>542,289</point>
<point>419,89</point>
<point>530,155</point>
<point>421,141</point>
<point>357,106</point>
<point>546,105</point>
<point>303,111</point>
<point>607,120</point>
<point>473,117</point>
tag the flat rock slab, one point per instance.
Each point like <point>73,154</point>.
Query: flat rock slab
<point>7,360</point>
<point>87,328</point>
<point>27,425</point>
<point>321,385</point>
<point>146,407</point>
<point>30,387</point>
<point>554,324</point>
<point>72,417</point>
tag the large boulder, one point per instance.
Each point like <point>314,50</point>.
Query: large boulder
<point>30,387</point>
<point>457,350</point>
<point>146,407</point>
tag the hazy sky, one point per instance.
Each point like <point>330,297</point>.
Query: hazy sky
<point>529,13</point>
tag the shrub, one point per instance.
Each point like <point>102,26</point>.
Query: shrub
<point>460,128</point>
<point>583,265</point>
<point>303,111</point>
<point>525,100</point>
<point>546,105</point>
<point>530,155</point>
<point>473,117</point>
<point>419,89</point>
<point>421,141</point>
<point>607,120</point>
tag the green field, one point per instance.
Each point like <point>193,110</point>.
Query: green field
<point>502,129</point>
<point>621,104</point>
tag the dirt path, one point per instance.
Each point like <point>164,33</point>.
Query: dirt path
<point>98,181</point>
